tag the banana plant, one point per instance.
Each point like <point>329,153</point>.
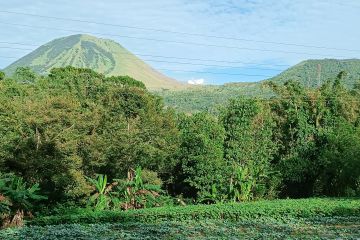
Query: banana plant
<point>21,196</point>
<point>16,197</point>
<point>133,193</point>
<point>138,179</point>
<point>100,200</point>
<point>214,196</point>
<point>242,184</point>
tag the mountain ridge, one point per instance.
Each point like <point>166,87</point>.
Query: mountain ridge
<point>314,72</point>
<point>102,55</point>
<point>211,97</point>
<point>110,58</point>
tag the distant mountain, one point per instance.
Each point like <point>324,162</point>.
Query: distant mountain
<point>101,55</point>
<point>311,73</point>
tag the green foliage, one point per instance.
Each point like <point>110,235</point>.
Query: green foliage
<point>133,193</point>
<point>16,196</point>
<point>25,75</point>
<point>99,200</point>
<point>99,183</point>
<point>201,154</point>
<point>130,193</point>
<point>126,81</point>
<point>2,75</point>
<point>242,184</point>
<point>313,73</point>
<point>213,196</point>
<point>151,177</point>
<point>314,228</point>
<point>75,123</point>
<point>248,148</point>
<point>20,196</point>
<point>295,134</point>
<point>5,204</point>
<point>340,175</point>
<point>278,209</point>
<point>307,73</point>
<point>210,98</point>
<point>312,126</point>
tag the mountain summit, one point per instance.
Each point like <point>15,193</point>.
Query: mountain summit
<point>102,55</point>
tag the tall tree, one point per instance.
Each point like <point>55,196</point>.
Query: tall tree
<point>201,154</point>
<point>248,144</point>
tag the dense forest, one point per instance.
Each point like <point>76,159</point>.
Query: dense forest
<point>78,139</point>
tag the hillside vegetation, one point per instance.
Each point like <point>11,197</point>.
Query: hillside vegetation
<point>313,73</point>
<point>310,73</point>
<point>211,98</point>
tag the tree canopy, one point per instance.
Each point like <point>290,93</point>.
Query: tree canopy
<point>74,124</point>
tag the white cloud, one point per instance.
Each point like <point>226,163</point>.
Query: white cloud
<point>196,81</point>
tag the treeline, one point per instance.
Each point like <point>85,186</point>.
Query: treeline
<point>61,130</point>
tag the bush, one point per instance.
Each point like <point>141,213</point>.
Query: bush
<point>151,177</point>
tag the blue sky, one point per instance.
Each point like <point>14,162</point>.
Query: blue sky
<point>326,23</point>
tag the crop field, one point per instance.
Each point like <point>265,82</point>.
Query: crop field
<point>280,210</point>
<point>278,219</point>
<point>316,228</point>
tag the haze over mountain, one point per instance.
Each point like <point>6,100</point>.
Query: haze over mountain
<point>102,55</point>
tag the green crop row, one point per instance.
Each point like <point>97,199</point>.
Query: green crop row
<point>277,209</point>
<point>320,228</point>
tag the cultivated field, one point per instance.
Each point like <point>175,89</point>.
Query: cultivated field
<point>279,219</point>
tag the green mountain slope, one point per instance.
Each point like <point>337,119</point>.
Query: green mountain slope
<point>101,55</point>
<point>311,73</point>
